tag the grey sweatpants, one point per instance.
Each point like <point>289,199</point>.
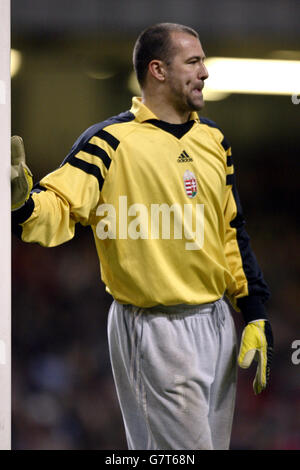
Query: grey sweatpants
<point>175,374</point>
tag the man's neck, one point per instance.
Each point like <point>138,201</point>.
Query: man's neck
<point>164,110</point>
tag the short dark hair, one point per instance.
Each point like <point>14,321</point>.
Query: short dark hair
<point>155,43</point>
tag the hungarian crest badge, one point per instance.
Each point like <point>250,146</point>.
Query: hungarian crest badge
<point>190,184</point>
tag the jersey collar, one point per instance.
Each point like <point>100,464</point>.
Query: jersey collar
<point>142,113</point>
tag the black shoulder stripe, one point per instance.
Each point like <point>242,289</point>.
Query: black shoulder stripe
<point>84,138</point>
<point>229,179</point>
<point>97,152</point>
<point>110,139</point>
<point>209,122</point>
<point>229,160</point>
<point>225,144</point>
<point>87,168</point>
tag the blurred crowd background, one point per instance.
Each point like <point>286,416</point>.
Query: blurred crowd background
<point>75,70</point>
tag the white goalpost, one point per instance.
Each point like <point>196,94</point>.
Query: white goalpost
<point>5,230</point>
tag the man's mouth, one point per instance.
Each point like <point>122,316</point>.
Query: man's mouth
<point>198,91</point>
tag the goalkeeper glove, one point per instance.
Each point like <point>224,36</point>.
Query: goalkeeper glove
<point>257,344</point>
<point>21,176</point>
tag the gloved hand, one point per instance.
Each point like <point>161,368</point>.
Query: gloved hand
<point>257,344</point>
<point>21,176</point>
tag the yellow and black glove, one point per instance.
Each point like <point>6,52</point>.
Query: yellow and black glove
<point>21,176</point>
<point>257,344</point>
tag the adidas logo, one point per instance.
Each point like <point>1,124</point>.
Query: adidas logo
<point>184,158</point>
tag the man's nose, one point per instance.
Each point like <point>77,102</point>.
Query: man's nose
<point>203,73</point>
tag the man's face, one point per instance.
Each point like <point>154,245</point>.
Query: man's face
<point>186,73</point>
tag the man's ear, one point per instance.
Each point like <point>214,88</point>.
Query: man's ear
<point>157,70</point>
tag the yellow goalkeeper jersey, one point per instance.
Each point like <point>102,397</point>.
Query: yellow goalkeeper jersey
<point>161,200</point>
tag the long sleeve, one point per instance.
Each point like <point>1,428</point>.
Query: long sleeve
<point>66,196</point>
<point>249,292</point>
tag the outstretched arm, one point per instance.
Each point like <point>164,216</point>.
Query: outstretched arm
<point>48,213</point>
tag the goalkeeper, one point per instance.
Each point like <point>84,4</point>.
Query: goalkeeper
<point>171,335</point>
